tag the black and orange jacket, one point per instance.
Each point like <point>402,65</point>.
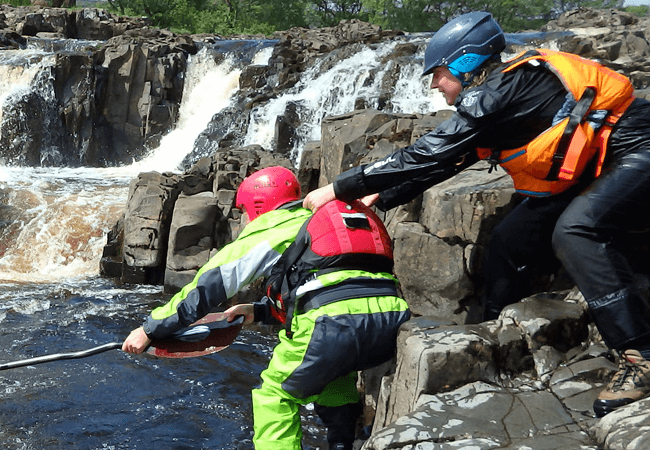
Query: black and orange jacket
<point>554,161</point>
<point>517,104</point>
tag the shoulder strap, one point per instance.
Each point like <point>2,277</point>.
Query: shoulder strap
<point>276,284</point>
<point>290,205</point>
<point>575,118</point>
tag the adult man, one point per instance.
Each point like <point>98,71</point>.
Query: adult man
<point>576,143</point>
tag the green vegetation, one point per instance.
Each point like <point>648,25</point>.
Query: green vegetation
<point>227,17</point>
<point>640,10</point>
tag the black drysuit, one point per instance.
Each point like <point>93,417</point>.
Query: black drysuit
<point>583,227</point>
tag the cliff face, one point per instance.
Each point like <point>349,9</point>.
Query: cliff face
<point>112,91</point>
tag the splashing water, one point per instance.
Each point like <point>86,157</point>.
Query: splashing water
<point>60,218</point>
<point>209,88</point>
<point>18,70</point>
<point>321,93</point>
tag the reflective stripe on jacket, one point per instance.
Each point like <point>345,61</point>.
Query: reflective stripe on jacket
<point>250,257</point>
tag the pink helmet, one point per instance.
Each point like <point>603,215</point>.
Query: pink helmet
<point>267,189</point>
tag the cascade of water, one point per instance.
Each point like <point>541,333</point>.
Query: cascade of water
<point>209,88</point>
<point>18,70</point>
<point>320,93</point>
<point>54,219</point>
<point>412,93</point>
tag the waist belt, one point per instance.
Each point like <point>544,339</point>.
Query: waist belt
<point>354,288</point>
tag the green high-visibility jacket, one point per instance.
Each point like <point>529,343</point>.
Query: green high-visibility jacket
<point>248,258</point>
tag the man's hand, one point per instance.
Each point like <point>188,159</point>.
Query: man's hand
<point>370,200</point>
<point>317,198</point>
<point>243,309</point>
<point>136,342</point>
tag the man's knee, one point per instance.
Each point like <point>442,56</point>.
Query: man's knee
<point>566,239</point>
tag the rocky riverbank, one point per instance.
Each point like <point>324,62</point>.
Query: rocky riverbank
<point>527,380</point>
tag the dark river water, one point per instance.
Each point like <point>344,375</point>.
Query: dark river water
<point>53,225</point>
<point>115,400</point>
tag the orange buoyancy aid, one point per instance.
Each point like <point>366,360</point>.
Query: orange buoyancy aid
<point>555,159</point>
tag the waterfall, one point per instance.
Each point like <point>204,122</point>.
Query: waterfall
<point>18,69</point>
<point>53,221</point>
<point>209,88</point>
<point>321,93</point>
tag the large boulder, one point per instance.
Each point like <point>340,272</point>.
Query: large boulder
<point>190,237</point>
<point>516,382</point>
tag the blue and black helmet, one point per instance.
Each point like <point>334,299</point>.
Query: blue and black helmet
<point>464,43</point>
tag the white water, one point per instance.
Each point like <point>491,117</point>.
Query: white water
<point>61,216</point>
<point>210,86</point>
<point>334,92</point>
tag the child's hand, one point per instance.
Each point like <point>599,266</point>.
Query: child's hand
<point>136,342</point>
<point>243,309</point>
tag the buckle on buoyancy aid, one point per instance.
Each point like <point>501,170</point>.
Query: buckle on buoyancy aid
<point>493,161</point>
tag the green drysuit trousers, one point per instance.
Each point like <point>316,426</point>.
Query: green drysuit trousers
<point>320,362</point>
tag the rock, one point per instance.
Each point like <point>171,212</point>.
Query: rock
<point>430,288</point>
<point>618,39</point>
<point>100,25</point>
<point>124,95</point>
<point>483,416</point>
<point>146,222</point>
<point>191,237</point>
<point>111,262</point>
<point>477,386</point>
<point>11,40</point>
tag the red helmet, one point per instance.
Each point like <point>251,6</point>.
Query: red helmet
<point>267,189</point>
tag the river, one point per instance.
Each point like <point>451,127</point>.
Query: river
<point>53,226</point>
